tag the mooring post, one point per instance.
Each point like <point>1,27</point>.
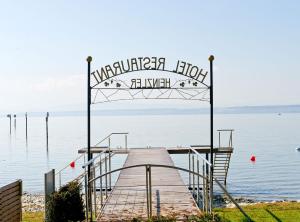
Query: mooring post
<point>211,59</point>
<point>47,117</point>
<point>15,121</point>
<point>9,116</point>
<point>26,127</point>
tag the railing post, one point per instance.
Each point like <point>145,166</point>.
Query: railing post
<point>105,160</point>
<point>109,162</point>
<point>101,194</point>
<point>203,186</point>
<point>86,195</point>
<point>193,169</point>
<point>150,191</point>
<point>219,139</point>
<point>189,168</point>
<point>230,139</point>
<point>59,178</point>
<point>198,182</point>
<point>126,145</point>
<point>158,204</point>
<point>95,197</point>
<point>147,192</point>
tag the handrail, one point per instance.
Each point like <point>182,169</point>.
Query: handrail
<point>141,165</point>
<point>69,164</point>
<point>231,198</point>
<point>110,136</point>
<point>198,154</point>
<point>177,168</point>
<point>92,160</point>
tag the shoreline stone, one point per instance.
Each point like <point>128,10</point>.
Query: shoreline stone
<point>33,202</point>
<point>36,202</point>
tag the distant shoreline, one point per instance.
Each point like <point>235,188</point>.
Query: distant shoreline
<point>276,109</point>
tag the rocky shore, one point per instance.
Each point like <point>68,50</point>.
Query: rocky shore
<point>36,202</point>
<point>224,202</point>
<point>33,202</point>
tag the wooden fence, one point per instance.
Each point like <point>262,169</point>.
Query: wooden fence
<point>10,202</point>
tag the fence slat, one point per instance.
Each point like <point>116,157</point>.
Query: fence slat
<point>10,202</point>
<point>9,186</point>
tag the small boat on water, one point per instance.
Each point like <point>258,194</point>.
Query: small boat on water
<point>298,149</point>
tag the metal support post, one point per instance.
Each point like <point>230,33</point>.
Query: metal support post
<point>147,192</point>
<point>94,191</point>
<point>203,187</point>
<point>86,195</point>
<point>150,191</point>
<point>193,176</point>
<point>211,59</point>
<point>109,162</point>
<point>198,183</point>
<point>105,160</point>
<point>189,169</point>
<point>89,60</point>
<point>101,194</point>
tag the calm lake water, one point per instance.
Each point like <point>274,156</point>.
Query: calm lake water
<point>273,139</point>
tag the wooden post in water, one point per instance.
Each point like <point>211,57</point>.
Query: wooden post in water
<point>47,117</point>
<point>9,116</point>
<point>15,121</point>
<point>26,127</point>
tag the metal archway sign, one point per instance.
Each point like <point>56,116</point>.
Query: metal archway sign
<point>149,78</point>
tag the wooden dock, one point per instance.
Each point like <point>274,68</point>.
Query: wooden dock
<point>170,196</point>
<point>171,150</point>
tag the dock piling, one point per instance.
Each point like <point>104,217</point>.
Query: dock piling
<point>26,127</point>
<point>15,121</point>
<point>9,116</point>
<point>47,117</point>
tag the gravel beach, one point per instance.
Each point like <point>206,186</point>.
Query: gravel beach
<point>33,202</point>
<point>36,202</point>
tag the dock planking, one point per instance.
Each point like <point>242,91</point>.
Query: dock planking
<point>170,196</point>
<point>171,150</point>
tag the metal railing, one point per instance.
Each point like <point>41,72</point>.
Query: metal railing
<point>220,131</point>
<point>196,165</point>
<point>107,160</point>
<point>108,138</point>
<point>59,173</point>
<point>148,185</point>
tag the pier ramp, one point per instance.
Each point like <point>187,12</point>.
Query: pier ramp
<point>169,195</point>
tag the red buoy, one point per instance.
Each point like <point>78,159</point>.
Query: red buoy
<point>253,158</point>
<point>72,164</point>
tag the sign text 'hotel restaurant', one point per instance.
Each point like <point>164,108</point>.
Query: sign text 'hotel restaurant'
<point>148,63</point>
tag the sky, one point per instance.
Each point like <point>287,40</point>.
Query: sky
<point>44,46</point>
